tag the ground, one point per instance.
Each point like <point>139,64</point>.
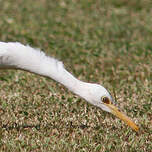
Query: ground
<point>105,42</point>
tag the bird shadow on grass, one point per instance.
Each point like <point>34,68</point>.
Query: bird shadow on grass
<point>18,127</point>
<point>69,125</point>
<point>39,126</point>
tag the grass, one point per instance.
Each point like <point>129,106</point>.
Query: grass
<point>106,42</point>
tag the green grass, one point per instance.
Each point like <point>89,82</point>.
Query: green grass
<point>106,42</point>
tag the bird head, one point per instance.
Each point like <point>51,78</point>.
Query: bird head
<point>100,97</point>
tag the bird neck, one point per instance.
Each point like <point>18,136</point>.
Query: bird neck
<point>76,86</point>
<point>29,59</point>
<point>69,81</point>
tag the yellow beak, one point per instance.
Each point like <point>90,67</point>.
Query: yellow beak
<point>117,113</point>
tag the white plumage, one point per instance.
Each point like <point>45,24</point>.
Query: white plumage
<point>14,55</point>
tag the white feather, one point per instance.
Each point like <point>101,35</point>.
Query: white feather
<point>18,56</point>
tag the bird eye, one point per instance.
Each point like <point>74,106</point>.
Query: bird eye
<point>105,100</point>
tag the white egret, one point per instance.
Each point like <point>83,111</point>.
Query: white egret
<point>14,55</point>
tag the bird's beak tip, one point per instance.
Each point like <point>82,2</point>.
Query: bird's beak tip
<point>127,120</point>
